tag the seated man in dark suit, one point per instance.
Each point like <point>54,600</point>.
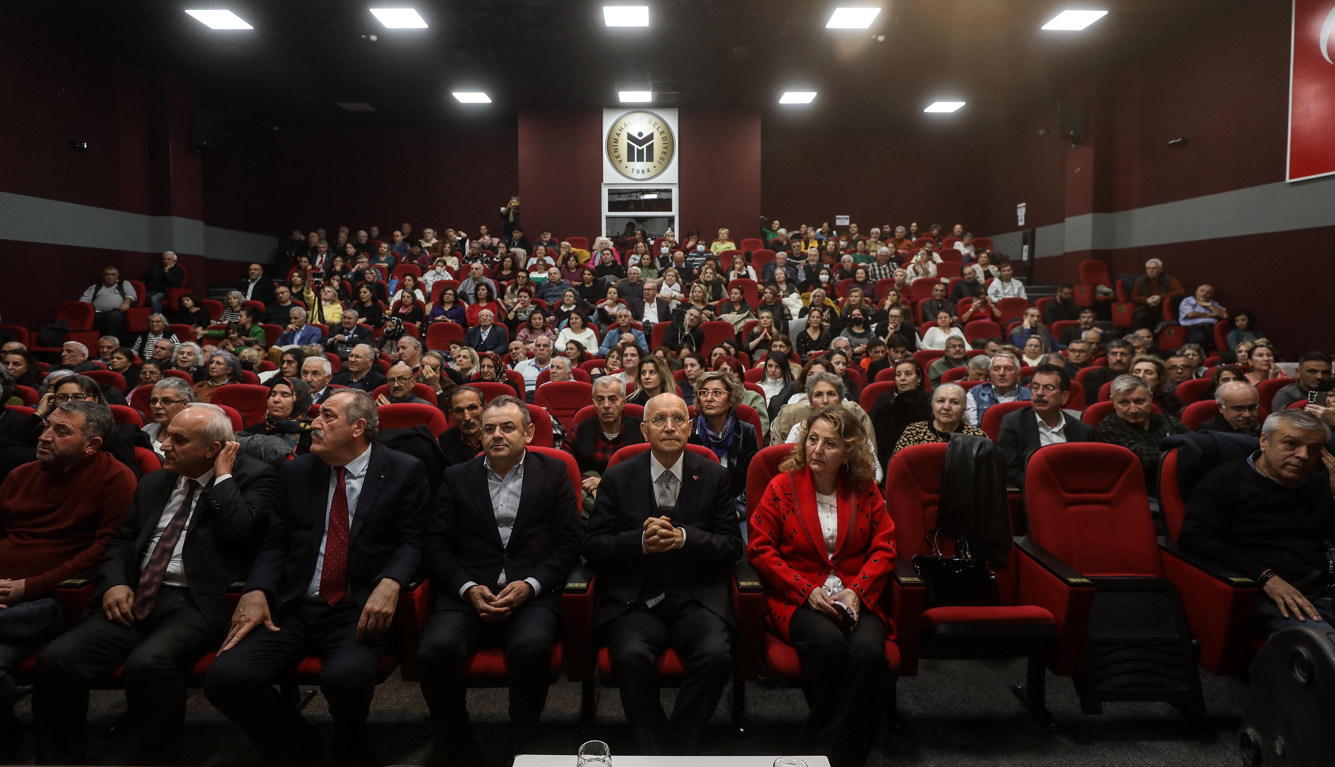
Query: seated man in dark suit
<point>347,335</point>
<point>1042,424</point>
<point>344,538</point>
<point>503,538</point>
<point>462,442</point>
<point>488,336</point>
<point>257,287</point>
<point>661,540</point>
<point>361,372</point>
<point>595,440</point>
<point>161,599</point>
<point>1239,403</point>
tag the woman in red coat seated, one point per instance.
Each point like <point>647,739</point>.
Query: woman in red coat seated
<point>824,546</point>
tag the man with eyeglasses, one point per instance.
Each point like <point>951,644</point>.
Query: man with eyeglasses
<point>662,539</point>
<point>400,384</point>
<point>1180,370</point>
<point>1239,404</point>
<point>1044,423</point>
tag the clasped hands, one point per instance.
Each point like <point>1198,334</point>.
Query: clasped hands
<point>660,536</point>
<point>493,608</point>
<point>823,604</point>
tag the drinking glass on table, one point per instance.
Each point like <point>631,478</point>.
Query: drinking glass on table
<point>594,753</point>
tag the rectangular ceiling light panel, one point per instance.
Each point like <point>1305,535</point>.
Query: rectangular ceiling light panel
<point>399,18</point>
<point>626,15</point>
<point>944,106</point>
<point>797,97</point>
<point>1074,21</point>
<point>852,18</point>
<point>220,19</point>
<point>472,97</point>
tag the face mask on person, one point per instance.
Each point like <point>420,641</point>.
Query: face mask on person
<point>664,250</point>
<point>825,278</point>
<point>699,248</point>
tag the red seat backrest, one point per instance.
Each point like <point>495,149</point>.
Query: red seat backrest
<point>716,332</point>
<point>1196,413</point>
<point>149,461</point>
<point>981,329</point>
<point>563,399</point>
<point>1193,391</point>
<point>124,414</point>
<point>872,391</point>
<point>238,423</point>
<point>764,467</point>
<point>1268,390</point>
<point>629,452</point>
<point>992,418</point>
<point>108,378</point>
<point>1077,400</point>
<point>1171,502</point>
<point>1086,504</point>
<point>250,400</point>
<point>1095,273</point>
<point>28,395</point>
<point>409,414</point>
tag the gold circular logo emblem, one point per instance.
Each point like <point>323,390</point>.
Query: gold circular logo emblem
<point>640,145</point>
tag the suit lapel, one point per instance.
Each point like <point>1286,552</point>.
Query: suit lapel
<point>482,499</point>
<point>688,498</point>
<point>806,504</point>
<point>371,487</point>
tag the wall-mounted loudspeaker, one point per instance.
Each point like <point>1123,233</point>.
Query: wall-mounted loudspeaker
<point>207,130</point>
<point>1071,119</point>
<point>1292,701</point>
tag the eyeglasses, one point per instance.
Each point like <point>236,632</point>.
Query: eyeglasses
<point>399,379</point>
<point>711,393</point>
<point>163,402</point>
<point>663,421</point>
<point>75,397</point>
<point>1179,367</point>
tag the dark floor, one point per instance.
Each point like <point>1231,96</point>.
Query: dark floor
<point>955,713</point>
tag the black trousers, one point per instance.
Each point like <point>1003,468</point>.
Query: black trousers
<point>241,681</point>
<point>702,640</point>
<point>453,635</point>
<point>157,654</point>
<point>844,679</point>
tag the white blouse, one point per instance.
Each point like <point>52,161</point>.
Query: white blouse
<point>827,508</point>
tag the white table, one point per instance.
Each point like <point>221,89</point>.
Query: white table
<point>546,760</point>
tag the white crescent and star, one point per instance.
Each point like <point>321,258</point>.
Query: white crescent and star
<point>1324,41</point>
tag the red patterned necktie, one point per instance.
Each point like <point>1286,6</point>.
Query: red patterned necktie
<point>150,580</point>
<point>334,573</point>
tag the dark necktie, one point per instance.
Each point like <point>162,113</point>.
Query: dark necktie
<point>334,573</point>
<point>150,580</point>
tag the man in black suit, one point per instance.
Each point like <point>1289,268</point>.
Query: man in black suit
<point>687,336</point>
<point>1239,403</point>
<point>343,540</point>
<point>162,277</point>
<point>504,536</point>
<point>487,335</point>
<point>652,309</point>
<point>590,442</point>
<point>256,287</point>
<point>661,540</point>
<point>315,372</point>
<point>462,442</point>
<point>346,335</point>
<point>1042,424</point>
<point>161,599</point>
<point>1119,362</point>
<point>361,373</point>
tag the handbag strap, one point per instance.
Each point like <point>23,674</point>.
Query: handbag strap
<point>961,543</point>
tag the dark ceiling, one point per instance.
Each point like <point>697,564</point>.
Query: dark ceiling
<point>305,56</point>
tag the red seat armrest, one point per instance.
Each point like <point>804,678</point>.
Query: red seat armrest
<point>1219,606</point>
<point>748,605</point>
<point>1048,582</point>
<point>410,617</point>
<point>578,604</point>
<point>74,595</point>
<point>907,594</point>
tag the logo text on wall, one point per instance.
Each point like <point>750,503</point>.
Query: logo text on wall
<point>640,145</point>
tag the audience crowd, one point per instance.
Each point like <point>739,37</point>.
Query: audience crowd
<point>204,443</point>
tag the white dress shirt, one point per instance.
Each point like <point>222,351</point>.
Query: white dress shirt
<point>354,477</point>
<point>175,575</point>
<point>1051,435</point>
<point>650,313</point>
<point>1001,289</point>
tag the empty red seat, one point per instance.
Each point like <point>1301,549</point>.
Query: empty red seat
<point>563,399</point>
<point>408,414</point>
<point>250,400</point>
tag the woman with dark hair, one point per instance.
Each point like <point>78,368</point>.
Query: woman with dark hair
<point>507,271</point>
<point>369,311</point>
<point>569,304</point>
<point>448,309</point>
<point>406,308</point>
<point>411,285</point>
<point>777,382</point>
<point>1243,329</point>
<point>522,280</point>
<point>576,353</point>
<point>590,292</point>
<point>484,298</point>
<point>122,361</point>
<point>286,413</point>
<point>1225,373</point>
<point>1154,373</point>
<point>341,263</point>
<point>190,313</point>
<point>23,366</point>
<point>572,271</point>
<point>223,368</point>
<point>816,337</point>
<point>824,579</point>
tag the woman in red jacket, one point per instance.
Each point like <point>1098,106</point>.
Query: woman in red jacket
<point>824,546</point>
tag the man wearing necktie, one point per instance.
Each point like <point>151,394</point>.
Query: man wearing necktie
<point>343,540</point>
<point>161,598</point>
<point>662,539</point>
<point>504,537</point>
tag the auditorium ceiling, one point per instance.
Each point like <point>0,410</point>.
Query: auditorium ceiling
<point>305,57</point>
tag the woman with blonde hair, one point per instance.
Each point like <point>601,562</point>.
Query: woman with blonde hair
<point>823,544</point>
<point>653,377</point>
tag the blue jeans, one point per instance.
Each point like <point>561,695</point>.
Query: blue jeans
<point>156,300</point>
<point>23,627</point>
<point>1269,621</point>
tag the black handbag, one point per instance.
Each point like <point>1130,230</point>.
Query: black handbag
<point>961,580</point>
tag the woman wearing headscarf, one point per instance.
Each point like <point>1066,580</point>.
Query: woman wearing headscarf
<point>288,403</point>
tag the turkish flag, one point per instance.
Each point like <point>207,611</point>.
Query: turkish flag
<point>1312,90</point>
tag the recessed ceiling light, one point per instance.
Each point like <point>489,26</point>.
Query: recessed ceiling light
<point>1072,21</point>
<point>399,18</point>
<point>356,106</point>
<point>852,18</point>
<point>797,97</point>
<point>944,106</point>
<point>472,97</point>
<point>626,15</point>
<point>220,19</point>
<point>635,97</point>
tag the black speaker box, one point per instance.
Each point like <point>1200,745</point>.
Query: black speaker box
<point>1292,701</point>
<point>207,130</point>
<point>1071,118</point>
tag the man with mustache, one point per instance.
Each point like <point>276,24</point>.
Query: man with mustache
<point>1044,423</point>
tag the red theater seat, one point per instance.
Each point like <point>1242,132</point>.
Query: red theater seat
<point>123,414</point>
<point>250,400</point>
<point>148,460</point>
<point>563,399</point>
<point>1196,413</point>
<point>409,414</point>
<point>1042,614</point>
<point>1194,390</point>
<point>992,418</point>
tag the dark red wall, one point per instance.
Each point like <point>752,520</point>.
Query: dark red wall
<point>720,157</point>
<point>811,173</point>
<point>560,172</point>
